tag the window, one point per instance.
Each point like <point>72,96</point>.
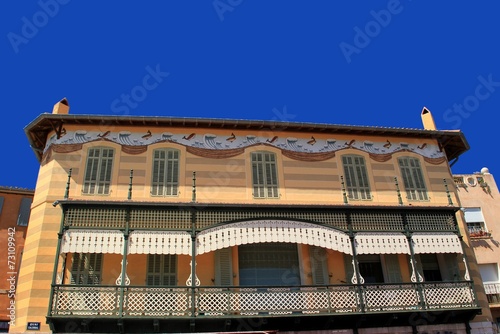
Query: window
<point>475,222</point>
<point>271,264</point>
<point>86,268</point>
<point>370,268</point>
<point>319,267</point>
<point>356,177</point>
<point>162,269</point>
<point>1,204</point>
<point>430,267</point>
<point>98,171</point>
<point>413,179</point>
<point>24,212</point>
<point>165,172</point>
<point>223,267</point>
<point>264,175</point>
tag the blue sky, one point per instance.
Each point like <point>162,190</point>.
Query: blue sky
<point>374,63</point>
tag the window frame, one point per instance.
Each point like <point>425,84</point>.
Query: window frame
<point>355,173</point>
<point>172,172</point>
<point>99,177</point>
<point>23,216</point>
<point>265,177</point>
<point>477,227</point>
<point>413,179</point>
<point>167,269</point>
<point>83,268</point>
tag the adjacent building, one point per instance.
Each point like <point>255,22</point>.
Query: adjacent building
<point>479,197</point>
<point>15,206</point>
<point>163,224</point>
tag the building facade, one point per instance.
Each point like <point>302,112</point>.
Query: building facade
<point>160,224</point>
<point>479,198</point>
<point>15,206</point>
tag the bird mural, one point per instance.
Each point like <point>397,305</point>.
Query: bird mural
<point>231,138</point>
<point>189,137</point>
<point>105,134</point>
<point>349,144</point>
<point>388,144</point>
<point>312,141</point>
<point>272,140</point>
<point>147,135</point>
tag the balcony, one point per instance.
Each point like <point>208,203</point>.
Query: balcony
<point>478,232</point>
<point>493,293</point>
<point>214,308</point>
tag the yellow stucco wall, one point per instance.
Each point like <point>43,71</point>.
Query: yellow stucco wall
<point>217,181</point>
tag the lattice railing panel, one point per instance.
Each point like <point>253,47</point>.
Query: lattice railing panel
<point>216,301</point>
<point>72,300</point>
<point>391,297</point>
<point>160,219</point>
<point>431,221</point>
<point>95,217</point>
<point>344,299</point>
<point>208,218</point>
<point>448,295</point>
<point>374,221</point>
<point>156,301</point>
<point>230,301</point>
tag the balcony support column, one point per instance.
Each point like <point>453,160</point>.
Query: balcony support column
<point>415,275</point>
<point>123,279</point>
<point>357,279</point>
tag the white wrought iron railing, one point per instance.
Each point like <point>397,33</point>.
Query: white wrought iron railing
<point>71,300</point>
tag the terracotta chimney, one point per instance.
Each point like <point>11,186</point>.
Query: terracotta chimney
<point>427,119</point>
<point>61,107</point>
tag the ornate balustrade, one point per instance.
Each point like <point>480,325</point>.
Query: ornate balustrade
<point>106,301</point>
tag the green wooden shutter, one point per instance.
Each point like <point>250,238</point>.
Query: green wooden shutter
<point>392,268</point>
<point>223,267</point>
<point>165,178</point>
<point>161,270</point>
<point>1,204</point>
<point>172,173</point>
<point>24,212</point>
<point>94,268</point>
<point>91,171</point>
<point>106,168</point>
<point>413,178</point>
<point>97,179</point>
<point>319,267</point>
<point>349,177</point>
<point>77,268</point>
<point>157,178</point>
<point>258,175</point>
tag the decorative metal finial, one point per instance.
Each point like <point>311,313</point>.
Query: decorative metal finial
<point>66,193</point>
<point>130,184</point>
<point>344,195</point>
<point>194,188</point>
<point>400,199</point>
<point>450,202</point>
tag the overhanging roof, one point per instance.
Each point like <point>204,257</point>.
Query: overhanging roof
<point>453,141</point>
